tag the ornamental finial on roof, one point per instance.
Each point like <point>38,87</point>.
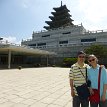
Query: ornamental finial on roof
<point>61,3</point>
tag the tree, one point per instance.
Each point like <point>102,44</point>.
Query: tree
<point>99,50</point>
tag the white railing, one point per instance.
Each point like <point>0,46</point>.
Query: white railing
<point>57,28</point>
<point>96,31</point>
<point>70,44</point>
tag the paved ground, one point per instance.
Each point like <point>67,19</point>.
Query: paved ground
<point>35,87</point>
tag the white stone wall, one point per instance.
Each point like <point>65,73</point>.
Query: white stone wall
<point>74,40</point>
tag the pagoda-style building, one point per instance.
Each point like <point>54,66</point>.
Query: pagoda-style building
<point>60,18</point>
<point>63,37</point>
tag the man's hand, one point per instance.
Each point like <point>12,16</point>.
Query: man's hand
<point>91,91</point>
<point>72,93</point>
<point>72,90</point>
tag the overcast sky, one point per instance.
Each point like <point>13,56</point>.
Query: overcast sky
<point>19,18</point>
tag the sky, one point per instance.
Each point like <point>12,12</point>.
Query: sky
<point>19,18</point>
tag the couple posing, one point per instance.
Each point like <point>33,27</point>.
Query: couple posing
<point>78,71</point>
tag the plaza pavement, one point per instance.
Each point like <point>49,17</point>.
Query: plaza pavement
<point>35,87</point>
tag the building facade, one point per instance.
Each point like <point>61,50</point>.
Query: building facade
<point>66,41</point>
<point>63,37</point>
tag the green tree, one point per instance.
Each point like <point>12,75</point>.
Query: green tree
<point>99,50</point>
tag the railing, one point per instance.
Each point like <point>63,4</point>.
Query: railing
<point>57,28</point>
<point>97,31</point>
<point>70,44</point>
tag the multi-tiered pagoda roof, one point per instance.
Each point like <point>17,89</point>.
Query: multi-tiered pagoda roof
<point>60,18</point>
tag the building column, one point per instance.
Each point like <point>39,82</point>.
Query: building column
<point>9,59</point>
<point>54,60</point>
<point>47,60</point>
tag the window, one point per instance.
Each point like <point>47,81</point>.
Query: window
<point>41,44</point>
<point>32,45</point>
<point>63,42</point>
<point>66,33</point>
<point>45,35</point>
<point>88,40</point>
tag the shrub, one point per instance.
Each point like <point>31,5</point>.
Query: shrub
<point>69,61</point>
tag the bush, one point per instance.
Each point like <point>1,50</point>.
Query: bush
<point>69,61</point>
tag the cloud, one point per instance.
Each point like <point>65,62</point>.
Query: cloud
<point>26,3</point>
<point>11,39</point>
<point>93,10</point>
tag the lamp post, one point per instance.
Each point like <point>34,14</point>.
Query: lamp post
<point>1,38</point>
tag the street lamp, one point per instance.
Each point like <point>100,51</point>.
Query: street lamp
<point>1,38</point>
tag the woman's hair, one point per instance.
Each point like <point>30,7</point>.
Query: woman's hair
<point>92,55</point>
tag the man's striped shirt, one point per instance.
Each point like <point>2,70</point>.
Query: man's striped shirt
<point>76,75</point>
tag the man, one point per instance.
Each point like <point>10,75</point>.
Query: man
<point>77,76</point>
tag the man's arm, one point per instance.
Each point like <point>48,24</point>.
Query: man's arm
<point>71,80</point>
<point>72,90</point>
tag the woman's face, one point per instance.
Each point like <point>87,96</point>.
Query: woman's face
<point>92,60</point>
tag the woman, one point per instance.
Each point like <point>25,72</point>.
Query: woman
<point>93,72</point>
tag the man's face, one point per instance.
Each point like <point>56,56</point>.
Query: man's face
<point>81,58</point>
